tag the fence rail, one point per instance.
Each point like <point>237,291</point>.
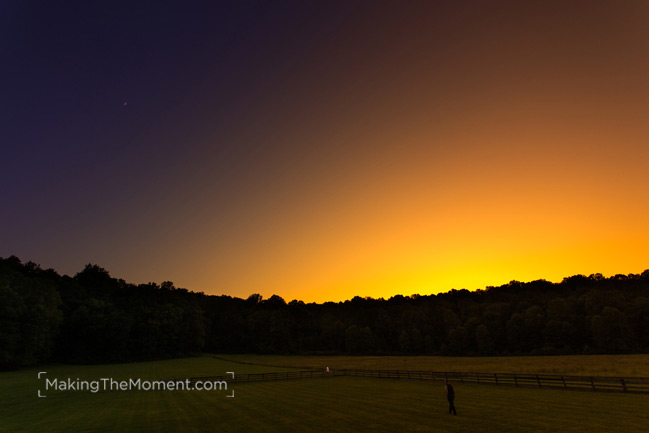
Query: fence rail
<point>584,383</point>
<point>266,377</point>
<point>638,385</point>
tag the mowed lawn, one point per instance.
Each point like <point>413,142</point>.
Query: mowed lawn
<point>341,404</point>
<point>580,365</point>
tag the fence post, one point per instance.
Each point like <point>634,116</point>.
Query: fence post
<point>623,384</point>
<point>461,378</point>
<point>563,379</point>
<point>538,380</point>
<point>515,380</point>
<point>496,377</point>
<point>592,383</point>
<point>477,375</point>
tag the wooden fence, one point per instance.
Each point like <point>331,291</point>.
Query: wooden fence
<point>583,383</point>
<point>267,377</point>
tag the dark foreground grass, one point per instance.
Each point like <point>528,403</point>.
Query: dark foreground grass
<point>342,404</point>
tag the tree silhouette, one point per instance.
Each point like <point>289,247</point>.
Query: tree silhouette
<point>94,317</point>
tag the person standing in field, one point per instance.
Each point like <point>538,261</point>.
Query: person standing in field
<point>450,396</point>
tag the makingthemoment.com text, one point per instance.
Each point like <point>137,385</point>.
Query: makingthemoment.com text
<point>109,384</point>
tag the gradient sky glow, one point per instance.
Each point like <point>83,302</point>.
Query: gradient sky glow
<point>323,150</point>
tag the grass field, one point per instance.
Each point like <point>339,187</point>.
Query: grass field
<point>596,365</point>
<point>342,404</point>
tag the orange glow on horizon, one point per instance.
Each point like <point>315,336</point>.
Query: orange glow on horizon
<point>400,149</point>
<point>515,216</point>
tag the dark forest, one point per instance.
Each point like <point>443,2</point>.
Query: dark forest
<point>95,318</point>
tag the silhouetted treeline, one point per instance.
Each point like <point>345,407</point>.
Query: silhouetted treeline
<point>93,317</point>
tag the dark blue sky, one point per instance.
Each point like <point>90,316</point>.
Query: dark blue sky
<point>73,151</point>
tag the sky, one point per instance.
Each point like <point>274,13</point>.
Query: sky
<point>321,150</point>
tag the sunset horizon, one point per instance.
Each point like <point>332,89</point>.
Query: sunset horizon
<point>390,294</point>
<point>324,151</point>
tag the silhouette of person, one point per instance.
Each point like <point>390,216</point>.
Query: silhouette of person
<point>450,396</point>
